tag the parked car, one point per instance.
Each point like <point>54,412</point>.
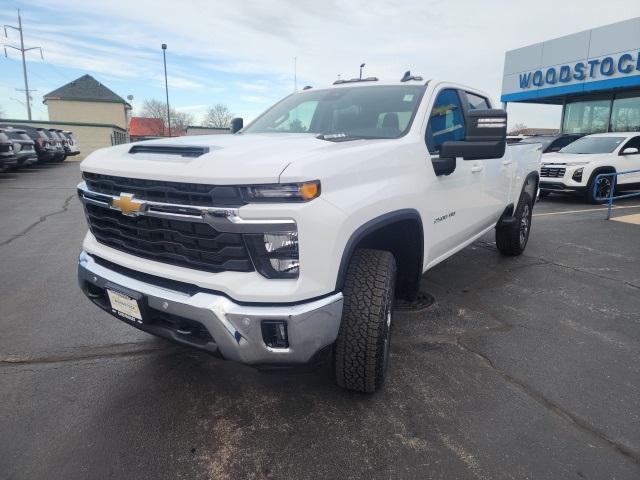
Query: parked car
<point>74,148</point>
<point>574,168</point>
<point>8,158</point>
<point>42,143</point>
<point>289,241</point>
<point>23,147</point>
<point>553,143</point>
<point>58,154</point>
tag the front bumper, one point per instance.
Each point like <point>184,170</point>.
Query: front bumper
<point>26,159</point>
<point>214,322</point>
<point>7,162</point>
<point>558,187</point>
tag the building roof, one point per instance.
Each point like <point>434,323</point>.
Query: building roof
<point>85,89</point>
<point>146,127</point>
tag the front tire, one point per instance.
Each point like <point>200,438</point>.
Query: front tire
<point>361,352</point>
<point>603,188</point>
<point>512,240</point>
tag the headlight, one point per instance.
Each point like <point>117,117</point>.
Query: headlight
<point>275,255</point>
<point>286,192</point>
<point>577,175</point>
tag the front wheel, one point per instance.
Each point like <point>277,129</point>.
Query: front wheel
<point>511,240</point>
<point>603,187</point>
<point>361,352</point>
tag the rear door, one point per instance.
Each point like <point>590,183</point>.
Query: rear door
<point>453,214</point>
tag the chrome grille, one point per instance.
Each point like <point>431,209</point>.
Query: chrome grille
<point>553,172</point>
<point>166,192</point>
<point>178,242</point>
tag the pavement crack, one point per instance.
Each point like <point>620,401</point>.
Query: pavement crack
<point>544,261</point>
<point>86,353</point>
<point>550,405</point>
<point>43,218</point>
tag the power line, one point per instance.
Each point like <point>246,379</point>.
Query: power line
<point>22,50</point>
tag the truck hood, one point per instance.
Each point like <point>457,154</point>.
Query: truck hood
<point>571,158</point>
<point>231,159</point>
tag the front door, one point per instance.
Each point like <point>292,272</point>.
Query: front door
<point>452,211</point>
<point>625,163</point>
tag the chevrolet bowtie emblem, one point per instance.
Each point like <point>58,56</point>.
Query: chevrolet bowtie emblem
<point>128,205</point>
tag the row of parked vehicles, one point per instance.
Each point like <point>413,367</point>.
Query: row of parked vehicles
<point>24,145</point>
<point>572,163</point>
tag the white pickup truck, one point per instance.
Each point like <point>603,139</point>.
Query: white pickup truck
<point>287,242</point>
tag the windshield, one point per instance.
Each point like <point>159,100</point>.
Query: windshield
<point>15,134</point>
<point>362,112</point>
<point>545,141</point>
<point>593,145</point>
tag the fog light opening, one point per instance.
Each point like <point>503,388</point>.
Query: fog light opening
<point>274,333</point>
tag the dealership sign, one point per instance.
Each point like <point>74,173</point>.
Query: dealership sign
<point>591,69</point>
<point>597,60</point>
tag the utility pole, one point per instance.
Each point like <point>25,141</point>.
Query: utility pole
<point>22,50</point>
<point>295,74</point>
<point>166,84</point>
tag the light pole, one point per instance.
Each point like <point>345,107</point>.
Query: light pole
<point>361,67</point>
<point>166,84</point>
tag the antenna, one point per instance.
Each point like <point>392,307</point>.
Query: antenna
<point>22,50</point>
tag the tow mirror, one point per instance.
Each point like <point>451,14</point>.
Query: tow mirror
<point>236,124</point>
<point>443,166</point>
<point>486,137</point>
<point>630,151</point>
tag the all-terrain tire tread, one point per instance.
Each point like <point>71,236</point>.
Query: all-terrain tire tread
<point>368,294</point>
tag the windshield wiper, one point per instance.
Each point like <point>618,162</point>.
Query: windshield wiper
<point>343,137</point>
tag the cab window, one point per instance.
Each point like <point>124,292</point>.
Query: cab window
<point>476,102</point>
<point>446,122</point>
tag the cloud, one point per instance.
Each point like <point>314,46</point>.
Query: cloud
<point>226,47</point>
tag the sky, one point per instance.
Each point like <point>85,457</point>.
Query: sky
<point>241,53</point>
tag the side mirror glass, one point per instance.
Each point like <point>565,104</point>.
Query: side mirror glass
<point>236,124</point>
<point>630,151</point>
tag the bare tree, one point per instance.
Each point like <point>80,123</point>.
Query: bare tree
<point>157,109</point>
<point>218,116</point>
<point>517,128</point>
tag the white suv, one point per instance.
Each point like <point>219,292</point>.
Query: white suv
<point>290,239</point>
<point>574,168</point>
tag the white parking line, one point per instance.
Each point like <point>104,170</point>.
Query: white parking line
<point>599,209</point>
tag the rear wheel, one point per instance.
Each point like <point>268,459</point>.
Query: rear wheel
<point>544,193</point>
<point>512,239</point>
<point>361,352</point>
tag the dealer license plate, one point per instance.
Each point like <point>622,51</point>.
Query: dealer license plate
<point>125,306</point>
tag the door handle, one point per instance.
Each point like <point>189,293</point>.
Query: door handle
<point>476,168</point>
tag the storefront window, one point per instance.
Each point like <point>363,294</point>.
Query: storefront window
<point>625,116</point>
<point>589,116</point>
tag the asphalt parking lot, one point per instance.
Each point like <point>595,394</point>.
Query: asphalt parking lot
<point>522,368</point>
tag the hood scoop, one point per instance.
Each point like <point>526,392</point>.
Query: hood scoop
<point>182,151</point>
